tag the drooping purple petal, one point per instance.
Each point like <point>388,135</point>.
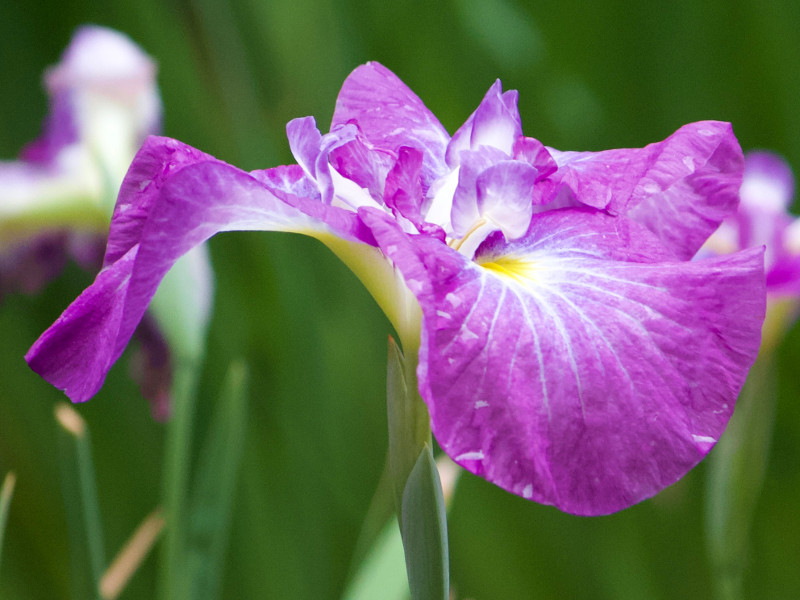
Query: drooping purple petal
<point>577,367</point>
<point>76,351</point>
<point>172,199</point>
<point>681,188</point>
<point>157,161</point>
<point>390,116</point>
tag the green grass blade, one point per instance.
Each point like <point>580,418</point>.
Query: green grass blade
<point>80,502</point>
<point>177,465</point>
<point>735,477</point>
<point>6,493</point>
<point>215,487</point>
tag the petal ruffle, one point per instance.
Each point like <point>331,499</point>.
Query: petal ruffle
<point>173,198</point>
<point>390,116</point>
<point>403,192</point>
<point>681,188</point>
<point>571,368</point>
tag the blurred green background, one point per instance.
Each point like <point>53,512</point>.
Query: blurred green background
<point>590,76</point>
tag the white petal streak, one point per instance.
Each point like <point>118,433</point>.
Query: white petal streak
<point>561,329</point>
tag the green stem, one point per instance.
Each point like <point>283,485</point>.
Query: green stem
<point>6,493</point>
<point>80,501</point>
<point>214,487</point>
<point>175,585</point>
<point>409,422</point>
<point>736,470</point>
<point>418,492</point>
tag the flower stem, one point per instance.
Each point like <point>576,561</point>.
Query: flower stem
<point>418,491</point>
<point>409,422</point>
<point>6,493</point>
<point>214,487</point>
<point>175,584</point>
<point>80,500</point>
<point>735,477</point>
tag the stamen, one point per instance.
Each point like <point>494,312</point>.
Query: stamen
<point>468,244</point>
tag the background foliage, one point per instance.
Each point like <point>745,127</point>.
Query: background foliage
<point>590,76</point>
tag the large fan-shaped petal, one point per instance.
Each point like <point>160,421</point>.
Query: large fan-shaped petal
<point>579,367</point>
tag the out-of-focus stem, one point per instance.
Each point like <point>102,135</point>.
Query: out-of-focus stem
<point>736,470</point>
<point>421,512</point>
<point>174,583</point>
<point>6,493</point>
<point>80,500</point>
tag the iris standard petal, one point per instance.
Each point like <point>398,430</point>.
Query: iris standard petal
<point>173,198</point>
<point>464,211</point>
<point>390,116</point>
<point>495,123</point>
<point>304,142</point>
<point>577,367</point>
<point>505,196</point>
<point>681,188</point>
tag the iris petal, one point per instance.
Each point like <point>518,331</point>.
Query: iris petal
<point>495,123</point>
<point>173,198</point>
<point>681,188</point>
<point>391,116</point>
<point>580,366</point>
<point>505,196</point>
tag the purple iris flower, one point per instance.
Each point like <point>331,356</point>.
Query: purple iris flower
<point>56,200</point>
<point>568,349</point>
